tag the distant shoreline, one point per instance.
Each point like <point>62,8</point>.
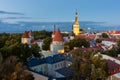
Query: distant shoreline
<point>88,26</point>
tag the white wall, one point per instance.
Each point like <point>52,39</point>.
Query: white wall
<point>108,43</point>
<point>42,67</point>
<point>55,47</point>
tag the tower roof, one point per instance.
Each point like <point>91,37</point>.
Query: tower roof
<point>76,19</point>
<point>54,30</point>
<point>25,35</point>
<point>58,36</point>
<point>30,33</point>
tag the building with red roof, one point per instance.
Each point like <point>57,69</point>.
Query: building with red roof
<point>113,67</point>
<point>86,36</point>
<point>27,37</point>
<point>58,37</point>
<point>57,45</point>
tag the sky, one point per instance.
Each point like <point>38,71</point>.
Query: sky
<point>60,10</point>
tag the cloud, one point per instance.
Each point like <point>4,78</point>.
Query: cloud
<point>14,13</point>
<point>15,18</point>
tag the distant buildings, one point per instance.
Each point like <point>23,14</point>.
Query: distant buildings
<point>55,64</point>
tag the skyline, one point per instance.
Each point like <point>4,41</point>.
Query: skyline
<point>60,11</point>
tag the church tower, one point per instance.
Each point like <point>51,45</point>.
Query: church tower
<point>57,45</point>
<point>76,26</point>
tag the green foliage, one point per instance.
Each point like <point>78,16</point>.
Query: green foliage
<point>113,52</point>
<point>11,69</point>
<point>118,43</point>
<point>98,41</point>
<point>104,35</point>
<point>46,43</point>
<point>1,58</point>
<point>77,42</point>
<point>10,44</point>
<point>87,66</point>
<point>42,34</point>
<point>65,34</point>
<point>35,49</point>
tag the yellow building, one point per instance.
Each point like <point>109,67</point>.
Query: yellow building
<point>76,26</point>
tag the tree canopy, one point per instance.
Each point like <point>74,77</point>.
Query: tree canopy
<point>77,42</point>
<point>10,44</point>
<point>88,66</point>
<point>11,69</point>
<point>46,43</point>
<point>42,34</point>
<point>104,35</point>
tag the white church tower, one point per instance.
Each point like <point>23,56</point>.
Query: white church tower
<point>57,45</point>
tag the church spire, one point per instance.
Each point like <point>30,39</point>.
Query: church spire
<point>76,18</point>
<point>76,26</point>
<point>54,28</point>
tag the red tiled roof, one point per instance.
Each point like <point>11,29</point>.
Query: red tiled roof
<point>115,32</point>
<point>117,58</point>
<point>25,35</point>
<point>113,67</point>
<point>58,36</point>
<point>88,37</point>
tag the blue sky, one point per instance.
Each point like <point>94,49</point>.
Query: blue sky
<point>60,10</point>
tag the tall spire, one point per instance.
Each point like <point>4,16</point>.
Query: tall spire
<point>76,18</point>
<point>76,26</point>
<point>54,28</point>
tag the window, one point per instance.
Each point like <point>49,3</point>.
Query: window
<point>55,66</point>
<point>58,65</point>
<point>61,64</point>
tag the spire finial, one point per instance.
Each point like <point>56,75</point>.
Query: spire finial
<point>76,12</point>
<point>54,28</point>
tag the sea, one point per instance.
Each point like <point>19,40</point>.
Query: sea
<point>87,26</point>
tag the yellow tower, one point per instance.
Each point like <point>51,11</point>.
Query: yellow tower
<point>76,26</point>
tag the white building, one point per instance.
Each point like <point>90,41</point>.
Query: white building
<point>57,45</point>
<point>27,37</point>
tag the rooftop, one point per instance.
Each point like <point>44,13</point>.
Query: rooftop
<point>49,60</point>
<point>58,36</point>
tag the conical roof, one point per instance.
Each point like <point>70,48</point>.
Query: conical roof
<point>25,35</point>
<point>76,19</point>
<point>58,36</point>
<point>30,33</point>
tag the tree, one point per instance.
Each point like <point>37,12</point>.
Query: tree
<point>118,43</point>
<point>46,43</point>
<point>77,42</point>
<point>88,66</point>
<point>98,41</point>
<point>11,69</point>
<point>104,35</point>
<point>113,52</point>
<point>1,58</point>
<point>42,34</point>
<point>35,50</point>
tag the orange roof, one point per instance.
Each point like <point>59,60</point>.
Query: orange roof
<point>58,36</point>
<point>115,32</point>
<point>88,37</point>
<point>25,35</point>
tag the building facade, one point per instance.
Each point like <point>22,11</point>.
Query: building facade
<point>27,37</point>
